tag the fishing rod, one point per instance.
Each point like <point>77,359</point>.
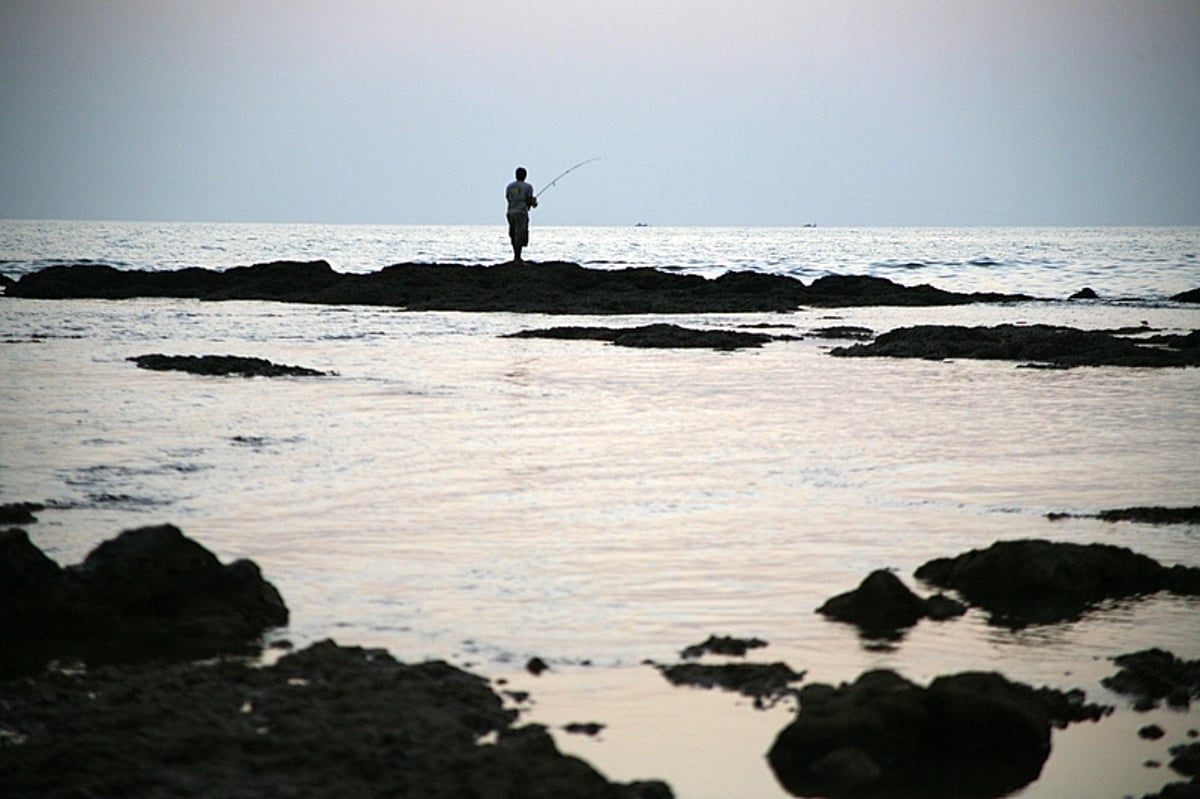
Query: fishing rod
<point>564,174</point>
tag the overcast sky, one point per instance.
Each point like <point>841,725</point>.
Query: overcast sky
<point>763,112</point>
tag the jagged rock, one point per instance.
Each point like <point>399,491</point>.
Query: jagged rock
<point>722,645</point>
<point>1036,581</point>
<point>324,721</point>
<point>1151,675</point>
<point>762,681</point>
<point>971,734</point>
<point>220,365</point>
<point>1063,347</point>
<point>149,592</point>
<point>550,287</point>
<point>882,606</point>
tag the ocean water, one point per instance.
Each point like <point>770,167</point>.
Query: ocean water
<point>455,494</point>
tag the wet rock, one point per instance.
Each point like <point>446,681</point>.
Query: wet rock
<point>324,721</point>
<point>882,606</point>
<point>535,666</point>
<point>762,681</point>
<point>722,645</point>
<point>221,365</point>
<point>1153,675</point>
<point>1151,732</point>
<point>148,593</point>
<point>550,287</point>
<point>1062,347</point>
<point>1188,296</point>
<point>1034,581</point>
<point>664,336</point>
<point>844,331</point>
<point>1153,515</point>
<point>20,512</point>
<point>971,734</point>
<point>1186,759</point>
<point>589,728</point>
<point>1085,294</point>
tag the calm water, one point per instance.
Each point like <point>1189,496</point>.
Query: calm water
<point>455,494</point>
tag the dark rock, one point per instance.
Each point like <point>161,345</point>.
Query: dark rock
<point>1151,732</point>
<point>1085,294</point>
<point>1063,347</point>
<point>665,336</point>
<point>1151,675</point>
<point>20,512</point>
<point>1036,581</point>
<point>589,728</point>
<point>1178,790</point>
<point>551,287</point>
<point>762,681</point>
<point>325,721</point>
<point>722,645</point>
<point>882,605</point>
<point>844,331</point>
<point>1153,515</point>
<point>220,365</point>
<point>536,666</point>
<point>971,734</point>
<point>1188,296</point>
<point>149,593</point>
<point>1186,759</point>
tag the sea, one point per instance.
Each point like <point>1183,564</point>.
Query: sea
<point>451,493</point>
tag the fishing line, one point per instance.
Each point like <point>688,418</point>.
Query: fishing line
<point>564,174</point>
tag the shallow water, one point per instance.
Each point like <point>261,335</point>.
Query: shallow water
<point>454,494</point>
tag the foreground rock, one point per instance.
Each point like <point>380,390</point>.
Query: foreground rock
<point>1062,347</point>
<point>971,734</point>
<point>663,336</point>
<point>148,593</point>
<point>1154,675</point>
<point>1034,581</point>
<point>882,606</point>
<point>221,365</point>
<point>552,287</point>
<point>326,721</point>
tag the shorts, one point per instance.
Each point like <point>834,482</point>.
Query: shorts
<point>518,228</point>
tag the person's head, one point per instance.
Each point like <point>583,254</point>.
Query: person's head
<point>521,173</point>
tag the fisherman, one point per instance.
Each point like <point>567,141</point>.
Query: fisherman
<point>520,199</point>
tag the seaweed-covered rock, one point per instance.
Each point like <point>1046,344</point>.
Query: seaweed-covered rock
<point>882,606</point>
<point>1034,581</point>
<point>221,365</point>
<point>325,721</point>
<point>971,734</point>
<point>149,592</point>
<point>1044,344</point>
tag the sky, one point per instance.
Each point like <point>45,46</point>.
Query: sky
<point>761,112</point>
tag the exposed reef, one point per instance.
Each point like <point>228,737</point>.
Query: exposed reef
<point>221,365</point>
<point>662,336</point>
<point>1034,581</point>
<point>325,721</point>
<point>1155,514</point>
<point>971,734</point>
<point>553,287</point>
<point>1061,347</point>
<point>1154,675</point>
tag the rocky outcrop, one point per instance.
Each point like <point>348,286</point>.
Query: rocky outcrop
<point>221,365</point>
<point>761,681</point>
<point>971,734</point>
<point>552,287</point>
<point>1154,675</point>
<point>325,721</point>
<point>148,593</point>
<point>662,336</point>
<point>1188,296</point>
<point>1062,347</point>
<point>1034,581</point>
<point>882,606</point>
<point>722,645</point>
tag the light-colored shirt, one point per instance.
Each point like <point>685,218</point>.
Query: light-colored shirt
<point>520,197</point>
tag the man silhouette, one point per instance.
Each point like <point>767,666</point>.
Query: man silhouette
<point>520,199</point>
